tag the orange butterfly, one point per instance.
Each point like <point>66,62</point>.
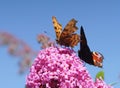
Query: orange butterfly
<point>66,37</point>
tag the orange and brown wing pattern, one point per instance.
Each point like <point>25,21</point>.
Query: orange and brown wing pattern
<point>75,39</point>
<point>57,27</point>
<point>70,41</point>
<point>66,37</point>
<point>69,28</point>
<point>97,59</point>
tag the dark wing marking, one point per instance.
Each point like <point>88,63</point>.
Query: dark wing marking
<point>84,53</point>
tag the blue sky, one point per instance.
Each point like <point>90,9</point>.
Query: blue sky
<point>27,18</point>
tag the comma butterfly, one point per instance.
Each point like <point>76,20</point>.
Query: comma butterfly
<point>66,37</point>
<point>93,58</point>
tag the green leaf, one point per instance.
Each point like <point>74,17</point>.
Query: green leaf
<point>100,75</point>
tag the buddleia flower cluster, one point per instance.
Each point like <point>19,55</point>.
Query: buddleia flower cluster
<point>44,41</point>
<point>22,50</point>
<point>19,49</point>
<point>57,67</point>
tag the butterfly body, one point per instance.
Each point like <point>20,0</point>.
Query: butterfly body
<point>92,58</point>
<point>66,37</point>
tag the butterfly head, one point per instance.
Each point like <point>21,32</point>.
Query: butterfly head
<point>97,59</point>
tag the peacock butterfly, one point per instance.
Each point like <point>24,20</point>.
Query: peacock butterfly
<point>92,58</point>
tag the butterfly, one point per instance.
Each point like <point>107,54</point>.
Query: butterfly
<point>66,36</point>
<point>92,58</point>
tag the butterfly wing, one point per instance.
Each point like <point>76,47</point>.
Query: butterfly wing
<point>69,28</point>
<point>98,59</point>
<point>75,39</point>
<point>67,37</point>
<point>84,53</point>
<point>93,58</point>
<point>71,40</point>
<point>57,27</point>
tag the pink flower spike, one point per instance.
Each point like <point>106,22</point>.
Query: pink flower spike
<point>57,67</point>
